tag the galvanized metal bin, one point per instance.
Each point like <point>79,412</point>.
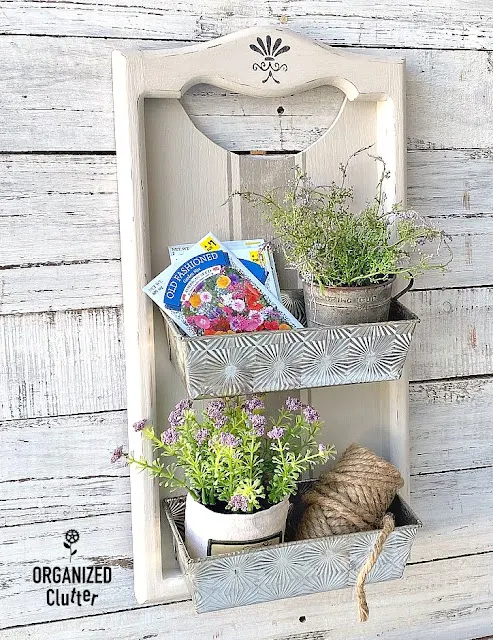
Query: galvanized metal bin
<point>292,568</point>
<point>245,363</point>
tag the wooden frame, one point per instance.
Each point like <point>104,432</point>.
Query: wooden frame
<point>257,62</point>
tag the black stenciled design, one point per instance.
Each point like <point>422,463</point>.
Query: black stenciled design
<point>269,52</point>
<point>71,537</point>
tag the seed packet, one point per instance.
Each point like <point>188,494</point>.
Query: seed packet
<point>209,291</point>
<point>253,254</point>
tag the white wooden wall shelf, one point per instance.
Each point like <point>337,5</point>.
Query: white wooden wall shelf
<point>173,182</point>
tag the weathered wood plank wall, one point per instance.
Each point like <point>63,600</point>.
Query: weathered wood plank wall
<point>62,395</point>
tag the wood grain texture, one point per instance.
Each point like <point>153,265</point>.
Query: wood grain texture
<point>75,480</point>
<point>442,183</point>
<point>444,600</point>
<point>451,423</point>
<point>61,363</point>
<point>78,444</point>
<point>61,287</point>
<point>455,507</point>
<point>41,499</point>
<point>423,24</point>
<point>63,209</point>
<point>454,336</point>
<point>40,107</point>
<point>58,208</point>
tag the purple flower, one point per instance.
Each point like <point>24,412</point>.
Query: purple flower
<point>258,424</point>
<point>237,323</point>
<point>177,416</point>
<point>117,454</point>
<point>234,278</point>
<point>138,426</point>
<point>322,448</point>
<point>183,405</point>
<point>170,436</point>
<point>201,436</point>
<point>311,415</point>
<point>175,419</point>
<point>252,404</point>
<point>238,503</point>
<point>276,433</point>
<point>228,440</point>
<point>215,409</point>
<point>220,422</point>
<point>293,404</point>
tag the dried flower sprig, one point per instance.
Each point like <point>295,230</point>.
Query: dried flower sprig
<point>332,246</point>
<point>228,456</point>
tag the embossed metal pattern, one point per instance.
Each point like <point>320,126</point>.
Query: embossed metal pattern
<point>229,365</point>
<point>289,569</point>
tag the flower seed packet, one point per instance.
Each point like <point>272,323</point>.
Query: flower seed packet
<point>209,291</point>
<point>253,254</point>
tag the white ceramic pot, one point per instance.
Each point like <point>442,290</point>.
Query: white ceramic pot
<point>208,533</point>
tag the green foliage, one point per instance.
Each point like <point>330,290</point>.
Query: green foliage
<point>230,458</point>
<point>330,245</point>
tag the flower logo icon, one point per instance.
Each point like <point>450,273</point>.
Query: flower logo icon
<point>269,52</point>
<point>71,537</point>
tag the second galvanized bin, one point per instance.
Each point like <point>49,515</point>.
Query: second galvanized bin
<point>292,568</point>
<point>245,363</point>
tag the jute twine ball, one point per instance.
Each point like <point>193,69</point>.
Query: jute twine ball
<point>353,497</point>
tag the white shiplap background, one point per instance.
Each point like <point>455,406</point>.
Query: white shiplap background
<point>62,400</point>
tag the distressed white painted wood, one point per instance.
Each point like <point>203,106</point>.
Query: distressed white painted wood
<point>75,480</point>
<point>431,602</point>
<point>454,334</point>
<point>423,24</point>
<point>57,96</point>
<point>451,424</point>
<point>77,444</point>
<point>41,499</point>
<point>173,182</point>
<point>57,208</point>
<point>456,510</point>
<point>61,363</point>
<point>60,287</point>
<point>40,106</point>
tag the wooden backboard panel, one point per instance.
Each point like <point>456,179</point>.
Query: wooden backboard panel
<point>174,185</point>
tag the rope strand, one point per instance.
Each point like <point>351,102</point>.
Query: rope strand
<point>352,497</point>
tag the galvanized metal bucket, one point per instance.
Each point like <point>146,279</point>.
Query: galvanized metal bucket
<point>293,568</point>
<point>336,306</point>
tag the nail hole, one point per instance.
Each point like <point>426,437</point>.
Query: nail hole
<point>302,618</point>
<point>280,110</point>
